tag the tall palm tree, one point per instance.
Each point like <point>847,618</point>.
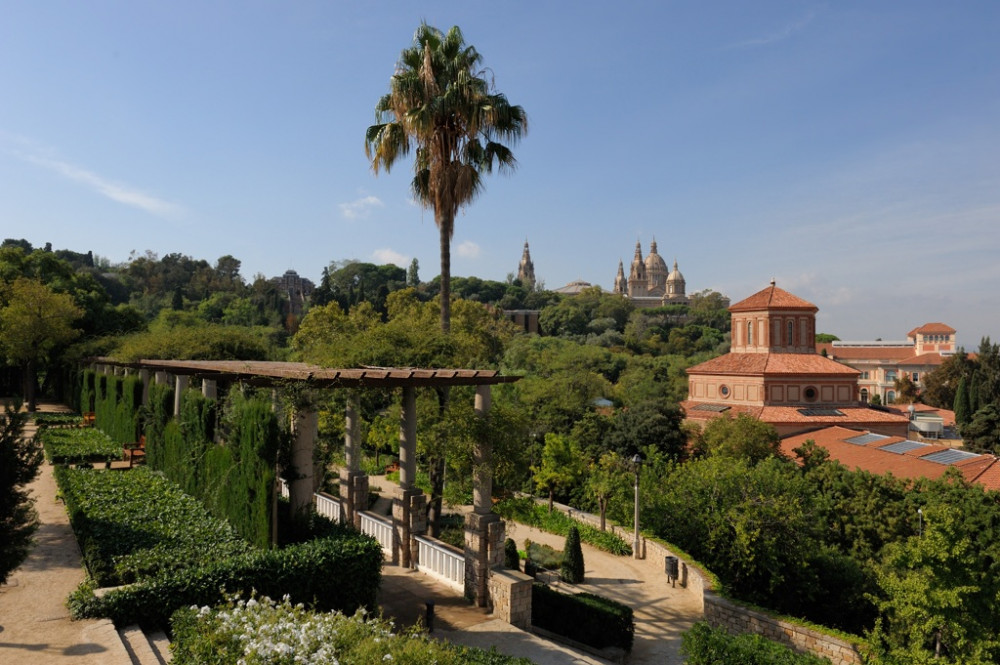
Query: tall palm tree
<point>441,104</point>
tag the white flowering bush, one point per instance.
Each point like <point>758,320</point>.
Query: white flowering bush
<point>260,631</point>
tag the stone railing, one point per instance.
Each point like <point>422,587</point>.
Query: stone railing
<point>441,561</point>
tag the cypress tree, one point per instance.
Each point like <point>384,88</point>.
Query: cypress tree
<point>572,565</point>
<point>961,407</point>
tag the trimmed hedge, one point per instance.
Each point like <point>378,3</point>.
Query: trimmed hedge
<point>88,380</point>
<point>78,446</point>
<point>586,618</point>
<point>117,405</point>
<point>341,573</point>
<point>49,419</point>
<point>527,511</point>
<point>704,645</point>
<point>138,524</point>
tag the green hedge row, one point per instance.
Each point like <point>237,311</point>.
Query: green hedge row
<point>235,480</point>
<point>138,524</point>
<point>117,402</point>
<point>88,379</point>
<point>527,511</point>
<point>78,446</point>
<point>341,573</point>
<point>48,419</point>
<point>585,618</point>
<point>704,645</point>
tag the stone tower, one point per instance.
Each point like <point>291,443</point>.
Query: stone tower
<point>621,284</point>
<point>526,269</point>
<point>637,282</point>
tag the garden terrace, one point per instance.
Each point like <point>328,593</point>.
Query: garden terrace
<point>484,529</point>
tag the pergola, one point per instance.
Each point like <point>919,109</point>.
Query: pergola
<point>484,529</point>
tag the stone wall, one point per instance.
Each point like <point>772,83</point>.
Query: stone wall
<point>722,613</point>
<point>510,594</point>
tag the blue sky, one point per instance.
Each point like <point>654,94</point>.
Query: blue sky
<point>850,150</point>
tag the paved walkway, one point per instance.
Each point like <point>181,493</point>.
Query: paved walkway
<point>34,623</point>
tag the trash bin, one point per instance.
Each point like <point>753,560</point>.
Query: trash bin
<point>670,567</point>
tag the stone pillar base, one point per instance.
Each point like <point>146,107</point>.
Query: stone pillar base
<point>403,518</point>
<point>484,535</point>
<point>353,496</point>
<point>510,593</point>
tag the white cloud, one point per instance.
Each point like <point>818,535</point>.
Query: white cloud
<point>467,250</point>
<point>360,208</point>
<point>386,255</point>
<point>122,193</point>
<point>778,36</point>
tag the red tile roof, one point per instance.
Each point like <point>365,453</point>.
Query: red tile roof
<point>982,469</point>
<point>855,416</point>
<point>848,353</point>
<point>923,359</point>
<point>762,364</point>
<point>932,329</point>
<point>772,298</point>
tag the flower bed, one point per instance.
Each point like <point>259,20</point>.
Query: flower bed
<point>137,524</point>
<point>260,630</point>
<point>79,446</point>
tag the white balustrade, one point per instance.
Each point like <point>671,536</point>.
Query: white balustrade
<point>378,528</point>
<point>327,506</point>
<point>441,561</point>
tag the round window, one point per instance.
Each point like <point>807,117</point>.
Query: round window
<point>810,394</point>
<point>724,391</point>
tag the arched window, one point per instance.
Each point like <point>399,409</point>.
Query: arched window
<point>749,333</point>
<point>890,397</point>
<point>864,395</point>
<point>791,333</point>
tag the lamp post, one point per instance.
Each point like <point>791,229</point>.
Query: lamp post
<point>920,522</point>
<point>637,462</point>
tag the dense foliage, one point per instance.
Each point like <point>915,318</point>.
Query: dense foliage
<point>704,645</point>
<point>260,630</point>
<point>78,446</point>
<point>138,524</point>
<point>572,569</point>
<point>526,511</point>
<point>19,462</point>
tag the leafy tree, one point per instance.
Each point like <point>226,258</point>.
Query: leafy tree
<point>440,104</point>
<point>941,384</point>
<point>413,274</point>
<point>811,455</point>
<point>928,601</point>
<point>743,437</point>
<point>906,390</point>
<point>561,466</point>
<point>511,559</point>
<point>648,425</point>
<point>982,433</point>
<point>34,322</point>
<point>875,400</point>
<point>826,338</point>
<point>19,462</point>
<point>606,478</point>
<point>572,569</point>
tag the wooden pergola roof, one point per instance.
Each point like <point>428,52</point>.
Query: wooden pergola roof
<point>272,373</point>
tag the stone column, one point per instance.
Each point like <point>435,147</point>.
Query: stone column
<point>484,530</point>
<point>209,389</point>
<point>353,483</point>
<point>144,376</point>
<point>305,426</point>
<point>180,385</point>
<point>403,500</point>
<point>162,378</point>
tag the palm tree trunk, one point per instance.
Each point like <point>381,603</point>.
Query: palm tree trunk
<point>445,227</point>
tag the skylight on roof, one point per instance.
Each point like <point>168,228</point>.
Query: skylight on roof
<point>904,447</point>
<point>821,412</point>
<point>949,456</point>
<point>717,408</point>
<point>865,439</point>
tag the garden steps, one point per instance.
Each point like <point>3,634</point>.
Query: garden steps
<point>145,649</point>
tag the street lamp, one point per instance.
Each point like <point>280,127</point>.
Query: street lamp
<point>920,521</point>
<point>637,462</point>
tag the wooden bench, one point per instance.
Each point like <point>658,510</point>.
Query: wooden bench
<point>135,453</point>
<point>89,419</point>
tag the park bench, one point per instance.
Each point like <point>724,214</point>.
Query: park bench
<point>135,453</point>
<point>89,419</point>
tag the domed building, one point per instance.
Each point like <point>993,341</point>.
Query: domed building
<point>650,283</point>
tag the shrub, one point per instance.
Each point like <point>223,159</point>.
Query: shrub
<point>704,645</point>
<point>78,446</point>
<point>511,560</point>
<point>572,568</point>
<point>303,572</point>
<point>585,618</point>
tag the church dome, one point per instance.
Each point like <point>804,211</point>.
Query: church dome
<point>655,265</point>
<point>675,274</point>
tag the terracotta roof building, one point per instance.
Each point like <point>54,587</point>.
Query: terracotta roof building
<point>901,457</point>
<point>774,373</point>
<point>881,363</point>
